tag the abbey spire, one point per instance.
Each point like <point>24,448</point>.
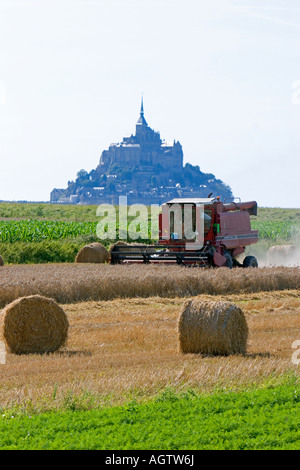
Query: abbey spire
<point>142,121</point>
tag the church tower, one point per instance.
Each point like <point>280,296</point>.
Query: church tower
<point>141,121</point>
<point>144,150</point>
<point>146,137</point>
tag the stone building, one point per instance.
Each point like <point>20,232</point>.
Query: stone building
<point>145,149</point>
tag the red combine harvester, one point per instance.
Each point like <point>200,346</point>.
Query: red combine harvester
<point>217,233</point>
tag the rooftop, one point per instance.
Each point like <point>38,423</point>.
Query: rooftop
<point>206,201</point>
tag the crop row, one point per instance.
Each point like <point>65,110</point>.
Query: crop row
<point>269,230</point>
<point>36,230</point>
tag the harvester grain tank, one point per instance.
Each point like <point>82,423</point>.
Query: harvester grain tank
<point>217,234</point>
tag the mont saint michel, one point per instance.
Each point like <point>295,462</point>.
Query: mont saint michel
<point>143,167</point>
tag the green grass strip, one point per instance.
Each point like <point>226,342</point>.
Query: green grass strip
<point>266,418</point>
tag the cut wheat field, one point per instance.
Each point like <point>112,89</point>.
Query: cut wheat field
<point>123,340</point>
<point>67,283</point>
<point>128,348</point>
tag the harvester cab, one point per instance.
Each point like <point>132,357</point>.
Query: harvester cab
<point>198,232</point>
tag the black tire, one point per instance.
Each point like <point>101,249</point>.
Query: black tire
<point>250,262</point>
<point>236,263</point>
<point>114,258</point>
<point>229,260</point>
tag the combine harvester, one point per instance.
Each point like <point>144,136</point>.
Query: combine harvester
<point>216,234</point>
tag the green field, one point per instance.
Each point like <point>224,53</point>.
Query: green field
<point>43,211</point>
<point>266,418</point>
<point>38,233</point>
<point>41,233</point>
<point>39,230</point>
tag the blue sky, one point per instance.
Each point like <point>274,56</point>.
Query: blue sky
<point>222,77</point>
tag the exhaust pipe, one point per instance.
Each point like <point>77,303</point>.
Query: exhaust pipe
<point>250,207</point>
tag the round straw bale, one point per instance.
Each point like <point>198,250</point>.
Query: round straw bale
<point>217,328</point>
<point>34,324</point>
<point>1,261</point>
<point>92,253</point>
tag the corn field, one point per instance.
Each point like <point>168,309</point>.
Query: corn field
<point>274,230</point>
<point>38,230</point>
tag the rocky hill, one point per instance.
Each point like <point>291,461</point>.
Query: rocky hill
<point>143,167</point>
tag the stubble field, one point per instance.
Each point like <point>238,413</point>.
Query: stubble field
<point>123,347</point>
<point>71,282</point>
<point>123,340</point>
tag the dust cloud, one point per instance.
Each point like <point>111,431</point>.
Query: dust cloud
<point>280,254</point>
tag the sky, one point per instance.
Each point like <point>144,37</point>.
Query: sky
<point>220,76</point>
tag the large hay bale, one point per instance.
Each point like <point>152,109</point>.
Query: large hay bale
<point>92,253</point>
<point>283,255</point>
<point>1,261</point>
<point>212,328</point>
<point>34,324</point>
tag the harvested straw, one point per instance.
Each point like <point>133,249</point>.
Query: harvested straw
<point>34,324</point>
<point>212,328</point>
<point>1,261</point>
<point>93,253</point>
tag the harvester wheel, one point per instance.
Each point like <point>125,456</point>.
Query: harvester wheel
<point>229,260</point>
<point>250,262</point>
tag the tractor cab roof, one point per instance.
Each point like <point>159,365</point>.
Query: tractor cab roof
<point>206,201</point>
